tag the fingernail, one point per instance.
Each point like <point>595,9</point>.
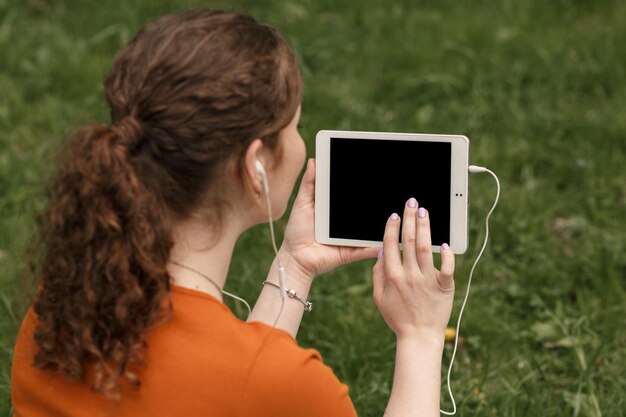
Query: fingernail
<point>421,212</point>
<point>394,216</point>
<point>445,246</point>
<point>380,253</point>
<point>412,202</point>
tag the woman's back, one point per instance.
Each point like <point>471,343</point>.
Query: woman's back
<point>202,361</point>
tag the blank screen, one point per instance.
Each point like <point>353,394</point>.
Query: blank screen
<point>371,179</point>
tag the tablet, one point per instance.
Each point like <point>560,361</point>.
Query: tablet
<point>364,177</point>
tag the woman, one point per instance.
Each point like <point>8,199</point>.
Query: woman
<point>144,215</point>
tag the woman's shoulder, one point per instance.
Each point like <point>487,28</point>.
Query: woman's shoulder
<point>278,376</point>
<point>289,379</point>
<point>204,316</point>
<point>210,330</point>
<point>208,321</point>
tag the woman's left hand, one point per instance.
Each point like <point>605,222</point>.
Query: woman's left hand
<point>299,248</point>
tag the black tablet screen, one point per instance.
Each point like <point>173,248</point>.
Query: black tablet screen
<point>370,179</point>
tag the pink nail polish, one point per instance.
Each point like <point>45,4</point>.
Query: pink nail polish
<point>445,246</point>
<point>421,212</point>
<point>412,202</point>
<point>380,253</point>
<point>395,216</point>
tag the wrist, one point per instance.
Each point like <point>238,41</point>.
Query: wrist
<point>424,340</point>
<point>297,282</point>
<point>294,271</point>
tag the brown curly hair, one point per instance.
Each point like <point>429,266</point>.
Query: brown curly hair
<point>187,95</point>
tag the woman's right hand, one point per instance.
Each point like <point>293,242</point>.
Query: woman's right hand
<point>414,298</point>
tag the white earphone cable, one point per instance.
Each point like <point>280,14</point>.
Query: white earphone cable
<point>281,269</point>
<point>473,169</point>
<point>235,297</point>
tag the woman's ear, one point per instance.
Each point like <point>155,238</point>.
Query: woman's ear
<point>251,174</point>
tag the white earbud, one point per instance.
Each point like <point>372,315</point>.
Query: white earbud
<point>260,169</point>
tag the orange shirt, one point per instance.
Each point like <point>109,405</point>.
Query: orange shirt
<point>202,362</point>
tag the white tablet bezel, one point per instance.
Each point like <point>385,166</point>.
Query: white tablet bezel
<point>459,184</point>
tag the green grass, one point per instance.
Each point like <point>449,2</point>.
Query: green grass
<point>537,86</point>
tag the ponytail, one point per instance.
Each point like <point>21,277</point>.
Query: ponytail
<point>105,241</point>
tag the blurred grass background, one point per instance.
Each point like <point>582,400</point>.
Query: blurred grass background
<point>538,87</point>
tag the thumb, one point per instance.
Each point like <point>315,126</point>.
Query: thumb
<point>446,274</point>
<point>306,193</point>
<point>358,254</point>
